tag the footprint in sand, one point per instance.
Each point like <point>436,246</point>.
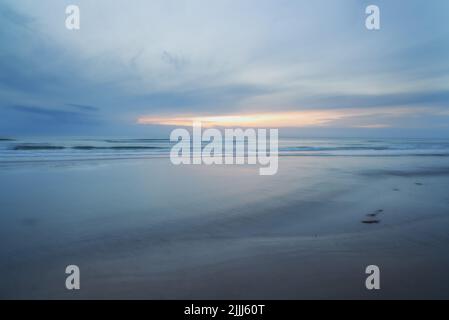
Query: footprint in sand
<point>371,221</point>
<point>372,217</point>
<point>375,213</point>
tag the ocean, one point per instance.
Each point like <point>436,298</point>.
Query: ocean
<point>29,150</point>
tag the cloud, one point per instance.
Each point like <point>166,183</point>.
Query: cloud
<point>165,59</point>
<point>83,107</point>
<point>178,62</point>
<point>372,126</point>
<point>431,98</point>
<point>11,16</point>
<point>54,115</point>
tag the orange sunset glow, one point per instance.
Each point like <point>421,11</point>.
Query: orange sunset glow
<point>306,118</point>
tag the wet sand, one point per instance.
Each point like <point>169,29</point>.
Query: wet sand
<point>148,230</point>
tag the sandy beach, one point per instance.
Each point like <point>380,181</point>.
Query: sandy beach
<point>146,229</point>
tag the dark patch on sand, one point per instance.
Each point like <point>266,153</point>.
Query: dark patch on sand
<point>371,221</point>
<point>372,217</point>
<point>420,172</point>
<point>375,213</point>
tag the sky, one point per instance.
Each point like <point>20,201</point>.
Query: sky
<point>142,68</point>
